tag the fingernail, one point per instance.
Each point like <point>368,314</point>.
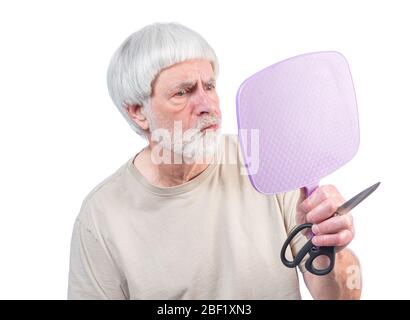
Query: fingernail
<point>315,229</point>
<point>315,241</point>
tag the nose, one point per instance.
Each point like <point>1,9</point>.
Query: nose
<point>202,103</point>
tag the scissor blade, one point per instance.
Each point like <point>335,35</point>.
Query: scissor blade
<point>349,205</point>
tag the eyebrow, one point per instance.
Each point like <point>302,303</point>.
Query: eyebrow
<point>186,84</point>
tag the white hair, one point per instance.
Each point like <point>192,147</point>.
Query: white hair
<point>141,57</point>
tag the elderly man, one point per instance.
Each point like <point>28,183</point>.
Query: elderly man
<point>179,221</point>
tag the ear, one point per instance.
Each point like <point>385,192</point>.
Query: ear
<point>137,114</point>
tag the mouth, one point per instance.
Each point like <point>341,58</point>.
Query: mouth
<point>210,127</point>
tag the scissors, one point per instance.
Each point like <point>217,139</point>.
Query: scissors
<point>314,251</point>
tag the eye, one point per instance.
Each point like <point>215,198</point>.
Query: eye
<point>181,93</point>
<point>210,86</point>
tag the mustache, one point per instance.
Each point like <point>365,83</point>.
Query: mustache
<point>207,121</point>
<point>179,140</point>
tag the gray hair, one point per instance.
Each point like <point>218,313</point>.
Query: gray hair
<point>141,57</point>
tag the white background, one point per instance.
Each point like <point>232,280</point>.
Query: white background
<point>61,135</point>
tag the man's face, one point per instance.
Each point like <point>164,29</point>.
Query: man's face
<point>184,97</point>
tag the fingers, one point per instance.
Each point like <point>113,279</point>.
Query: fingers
<point>323,210</point>
<point>340,239</point>
<point>334,225</point>
<point>319,195</point>
<point>319,209</point>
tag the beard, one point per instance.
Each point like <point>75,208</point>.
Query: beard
<point>193,145</point>
<point>201,146</point>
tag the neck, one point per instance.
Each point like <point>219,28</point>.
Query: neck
<point>167,174</point>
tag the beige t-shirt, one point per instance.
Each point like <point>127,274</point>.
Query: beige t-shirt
<point>213,237</point>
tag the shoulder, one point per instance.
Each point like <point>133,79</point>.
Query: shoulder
<point>105,194</point>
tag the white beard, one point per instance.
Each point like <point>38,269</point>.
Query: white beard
<point>193,145</point>
<point>202,146</point>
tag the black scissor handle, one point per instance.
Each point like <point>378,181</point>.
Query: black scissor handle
<point>308,248</point>
<point>315,252</point>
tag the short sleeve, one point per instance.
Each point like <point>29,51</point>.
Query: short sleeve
<point>291,200</point>
<point>92,274</point>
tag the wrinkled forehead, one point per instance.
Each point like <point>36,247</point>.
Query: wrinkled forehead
<point>185,72</point>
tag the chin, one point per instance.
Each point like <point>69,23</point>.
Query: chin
<point>202,147</point>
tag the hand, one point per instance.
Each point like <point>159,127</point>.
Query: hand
<point>319,209</point>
